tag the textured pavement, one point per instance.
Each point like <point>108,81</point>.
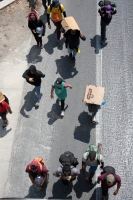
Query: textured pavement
<point>41,132</point>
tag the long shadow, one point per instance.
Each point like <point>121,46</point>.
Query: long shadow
<point>66,67</point>
<point>82,185</point>
<point>55,112</point>
<point>2,131</point>
<point>95,42</point>
<point>58,192</point>
<point>52,43</point>
<point>82,132</point>
<point>30,100</point>
<point>34,55</point>
<point>35,194</point>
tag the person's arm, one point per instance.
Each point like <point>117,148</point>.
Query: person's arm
<point>48,16</point>
<point>84,170</point>
<point>40,74</point>
<point>64,14</point>
<point>52,90</point>
<point>118,187</point>
<point>82,36</point>
<point>31,27</point>
<point>114,12</point>
<point>67,85</point>
<point>9,109</point>
<point>44,179</point>
<point>102,165</point>
<point>101,12</point>
<point>25,75</point>
<point>98,180</point>
<point>32,180</point>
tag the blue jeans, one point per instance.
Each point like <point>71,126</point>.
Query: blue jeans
<point>73,51</point>
<point>38,93</point>
<point>93,168</point>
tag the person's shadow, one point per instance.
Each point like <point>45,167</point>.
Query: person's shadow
<point>82,132</point>
<point>58,192</point>
<point>34,55</point>
<point>35,194</point>
<point>82,185</point>
<point>30,100</point>
<point>55,112</point>
<point>66,67</point>
<point>95,42</point>
<point>3,132</point>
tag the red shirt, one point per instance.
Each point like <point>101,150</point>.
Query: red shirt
<point>104,183</point>
<point>4,106</point>
<point>39,171</point>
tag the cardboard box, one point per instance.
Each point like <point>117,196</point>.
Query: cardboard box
<point>69,23</point>
<point>94,94</point>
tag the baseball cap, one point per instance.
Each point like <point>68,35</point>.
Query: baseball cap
<point>110,179</point>
<point>108,9</point>
<point>92,155</point>
<point>55,3</point>
<point>2,98</point>
<point>58,82</point>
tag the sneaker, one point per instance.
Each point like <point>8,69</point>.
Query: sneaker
<point>89,113</point>
<point>5,124</point>
<point>62,113</point>
<point>70,55</point>
<point>94,119</point>
<point>37,104</point>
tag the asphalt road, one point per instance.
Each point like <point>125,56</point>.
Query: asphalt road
<point>41,132</point>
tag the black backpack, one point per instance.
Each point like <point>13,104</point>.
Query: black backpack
<point>109,170</point>
<point>68,158</point>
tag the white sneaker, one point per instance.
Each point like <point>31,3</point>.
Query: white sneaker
<point>62,113</point>
<point>94,119</point>
<point>90,113</point>
<point>37,104</point>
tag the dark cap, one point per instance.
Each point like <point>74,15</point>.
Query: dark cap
<point>58,82</point>
<point>92,155</point>
<point>66,168</point>
<point>55,3</point>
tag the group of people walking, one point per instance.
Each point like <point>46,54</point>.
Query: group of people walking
<point>68,171</point>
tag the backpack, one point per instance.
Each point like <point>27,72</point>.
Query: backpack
<point>68,158</point>
<point>94,148</point>
<point>6,100</point>
<point>55,16</point>
<point>40,161</point>
<point>109,170</point>
<point>106,2</point>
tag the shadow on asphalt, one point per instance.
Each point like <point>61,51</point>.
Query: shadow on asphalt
<point>82,132</point>
<point>30,100</point>
<point>58,190</point>
<point>35,194</point>
<point>66,67</point>
<point>82,185</point>
<point>34,55</point>
<point>55,112</point>
<point>3,132</point>
<point>95,42</point>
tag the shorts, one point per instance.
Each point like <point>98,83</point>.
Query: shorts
<point>3,115</point>
<point>104,191</point>
<point>93,168</point>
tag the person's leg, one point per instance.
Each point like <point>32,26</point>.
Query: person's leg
<point>92,172</point>
<point>40,41</point>
<point>75,52</point>
<point>36,38</point>
<point>103,30</point>
<point>49,2</point>
<point>5,121</point>
<point>104,193</point>
<point>62,105</point>
<point>93,117</point>
<point>38,92</point>
<point>58,26</point>
<point>69,51</point>
<point>65,182</point>
<point>44,4</point>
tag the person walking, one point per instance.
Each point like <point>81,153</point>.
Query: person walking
<point>108,179</point>
<point>4,109</point>
<point>56,9</point>
<point>38,172</point>
<point>32,4</point>
<point>106,12</point>
<point>45,4</point>
<point>72,41</point>
<point>37,27</point>
<point>91,158</point>
<point>33,77</point>
<point>60,90</point>
<point>66,173</point>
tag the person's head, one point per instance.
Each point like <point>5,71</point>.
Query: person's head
<point>110,179</point>
<point>73,32</point>
<point>66,170</point>
<point>108,9</point>
<point>32,69</point>
<point>92,155</point>
<point>2,98</point>
<point>55,3</point>
<point>32,16</point>
<point>33,168</point>
<point>58,83</point>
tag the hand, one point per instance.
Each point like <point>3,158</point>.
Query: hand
<point>70,87</point>
<point>43,34</point>
<point>10,112</point>
<point>49,26</point>
<point>69,178</point>
<point>62,38</point>
<point>33,31</point>
<point>52,96</point>
<point>31,80</point>
<point>102,15</point>
<point>116,192</point>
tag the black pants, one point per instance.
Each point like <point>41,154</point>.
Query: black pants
<point>104,191</point>
<point>62,104</point>
<point>44,3</point>
<point>38,39</point>
<point>103,29</point>
<point>65,182</point>
<point>3,115</point>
